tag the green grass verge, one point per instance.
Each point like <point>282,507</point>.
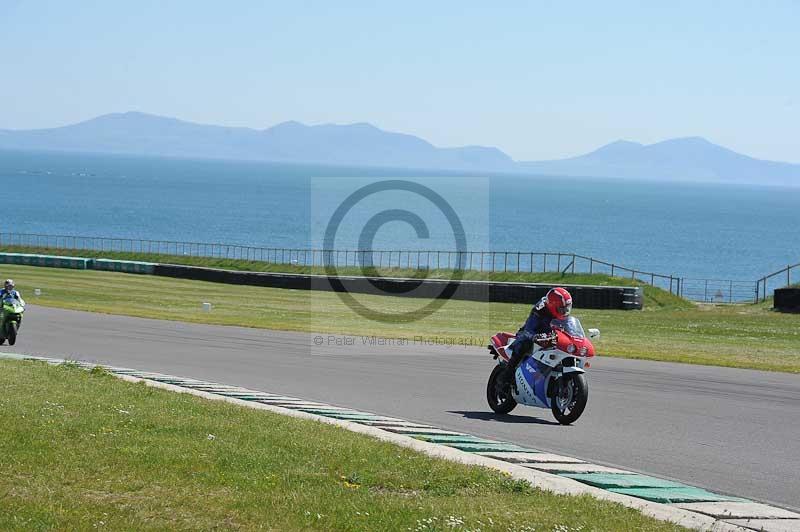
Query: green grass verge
<point>84,451</point>
<point>742,336</point>
<point>653,296</point>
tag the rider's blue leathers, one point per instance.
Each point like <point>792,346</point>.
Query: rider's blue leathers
<point>538,322</point>
<point>13,293</point>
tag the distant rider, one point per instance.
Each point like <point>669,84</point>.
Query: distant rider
<point>9,289</point>
<point>557,304</point>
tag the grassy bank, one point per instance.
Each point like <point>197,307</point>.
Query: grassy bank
<point>653,297</point>
<point>744,336</point>
<point>83,451</point>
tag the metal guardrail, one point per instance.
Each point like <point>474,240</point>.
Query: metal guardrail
<point>483,261</point>
<point>706,290</point>
<point>774,280</point>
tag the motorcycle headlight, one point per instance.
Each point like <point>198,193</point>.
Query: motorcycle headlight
<point>571,348</point>
<point>583,351</point>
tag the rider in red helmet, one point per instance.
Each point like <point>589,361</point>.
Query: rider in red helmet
<point>557,304</point>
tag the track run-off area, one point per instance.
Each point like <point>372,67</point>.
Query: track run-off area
<point>729,430</point>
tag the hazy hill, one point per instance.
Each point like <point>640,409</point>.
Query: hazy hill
<point>353,144</point>
<point>691,158</point>
<point>363,144</point>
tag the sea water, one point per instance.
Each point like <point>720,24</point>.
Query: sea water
<point>687,229</point>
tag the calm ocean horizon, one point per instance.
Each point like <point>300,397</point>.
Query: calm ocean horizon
<point>687,229</point>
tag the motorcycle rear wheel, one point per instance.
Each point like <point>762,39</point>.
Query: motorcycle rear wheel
<point>499,400</point>
<point>572,393</point>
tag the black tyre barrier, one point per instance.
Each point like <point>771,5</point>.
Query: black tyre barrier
<point>787,299</point>
<point>584,296</point>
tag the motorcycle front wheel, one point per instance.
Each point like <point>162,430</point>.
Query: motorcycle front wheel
<point>499,400</point>
<point>12,333</point>
<point>572,393</point>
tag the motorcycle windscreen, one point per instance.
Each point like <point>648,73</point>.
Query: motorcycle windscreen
<point>571,325</point>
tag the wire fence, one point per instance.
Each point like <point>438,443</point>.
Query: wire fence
<point>718,290</point>
<point>783,277</point>
<point>706,290</point>
<point>481,261</point>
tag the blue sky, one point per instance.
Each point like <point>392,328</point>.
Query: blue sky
<point>538,80</point>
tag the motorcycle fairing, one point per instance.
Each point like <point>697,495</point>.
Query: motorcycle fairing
<point>532,384</point>
<point>501,342</point>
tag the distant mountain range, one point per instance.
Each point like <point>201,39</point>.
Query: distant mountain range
<point>363,144</point>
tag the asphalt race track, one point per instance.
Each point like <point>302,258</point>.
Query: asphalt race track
<point>733,431</point>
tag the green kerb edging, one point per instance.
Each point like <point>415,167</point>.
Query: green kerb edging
<point>622,480</point>
<point>354,417</point>
<point>674,495</point>
<point>486,448</point>
<point>457,438</point>
<point>417,434</point>
<point>247,397</point>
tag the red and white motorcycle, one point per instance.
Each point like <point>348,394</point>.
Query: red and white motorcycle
<point>551,376</point>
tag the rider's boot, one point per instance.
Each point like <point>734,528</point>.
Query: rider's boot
<point>521,345</point>
<point>506,378</point>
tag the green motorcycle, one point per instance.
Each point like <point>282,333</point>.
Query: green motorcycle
<point>10,319</point>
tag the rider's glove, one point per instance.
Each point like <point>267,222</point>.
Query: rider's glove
<point>544,339</point>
